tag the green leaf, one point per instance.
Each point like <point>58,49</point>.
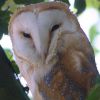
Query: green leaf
<point>66,1</point>
<point>93,33</point>
<point>9,5</point>
<point>27,1</point>
<point>1,36</point>
<point>9,54</point>
<point>15,67</point>
<point>10,57</point>
<point>46,0</point>
<point>37,1</point>
<point>6,8</point>
<point>95,93</point>
<point>96,50</point>
<point>80,5</point>
<point>2,2</point>
<point>98,80</point>
<point>4,18</point>
<point>93,3</point>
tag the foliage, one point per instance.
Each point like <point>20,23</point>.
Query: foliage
<point>93,3</point>
<point>93,33</point>
<point>80,5</point>
<point>27,1</point>
<point>10,87</point>
<point>95,92</point>
<point>10,57</point>
<point>66,1</point>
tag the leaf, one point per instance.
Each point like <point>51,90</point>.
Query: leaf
<point>46,0</point>
<point>9,5</point>
<point>2,2</point>
<point>98,80</point>
<point>9,54</point>
<point>93,3</point>
<point>80,5</point>
<point>66,1</point>
<point>4,18</point>
<point>1,30</point>
<point>15,67</point>
<point>95,93</point>
<point>5,10</point>
<point>1,36</point>
<point>96,50</point>
<point>10,57</point>
<point>27,1</point>
<point>93,33</point>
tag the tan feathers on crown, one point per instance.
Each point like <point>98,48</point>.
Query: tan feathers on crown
<point>41,7</point>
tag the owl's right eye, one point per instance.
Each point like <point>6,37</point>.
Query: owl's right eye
<point>26,35</point>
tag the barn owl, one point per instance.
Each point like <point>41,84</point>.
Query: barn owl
<point>52,52</point>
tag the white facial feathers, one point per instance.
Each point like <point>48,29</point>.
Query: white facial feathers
<point>39,26</point>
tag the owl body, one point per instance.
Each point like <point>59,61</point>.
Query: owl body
<point>52,52</point>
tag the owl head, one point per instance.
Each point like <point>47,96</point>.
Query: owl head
<point>36,29</point>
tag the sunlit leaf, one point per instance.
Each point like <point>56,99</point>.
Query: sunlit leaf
<point>9,5</point>
<point>93,33</point>
<point>93,3</point>
<point>96,50</point>
<point>9,54</point>
<point>10,57</point>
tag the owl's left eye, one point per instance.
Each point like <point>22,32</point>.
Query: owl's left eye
<point>55,27</point>
<point>27,35</point>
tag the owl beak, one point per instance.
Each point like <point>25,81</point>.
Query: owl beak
<point>42,57</point>
<point>40,39</point>
<point>41,46</point>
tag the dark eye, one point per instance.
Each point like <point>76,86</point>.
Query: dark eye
<point>55,27</point>
<point>27,35</point>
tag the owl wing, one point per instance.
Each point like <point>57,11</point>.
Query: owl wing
<point>79,62</point>
<point>74,74</point>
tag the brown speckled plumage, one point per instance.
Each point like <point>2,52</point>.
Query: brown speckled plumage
<point>66,84</point>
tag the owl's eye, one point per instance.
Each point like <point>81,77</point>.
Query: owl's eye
<point>27,35</point>
<point>55,27</point>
